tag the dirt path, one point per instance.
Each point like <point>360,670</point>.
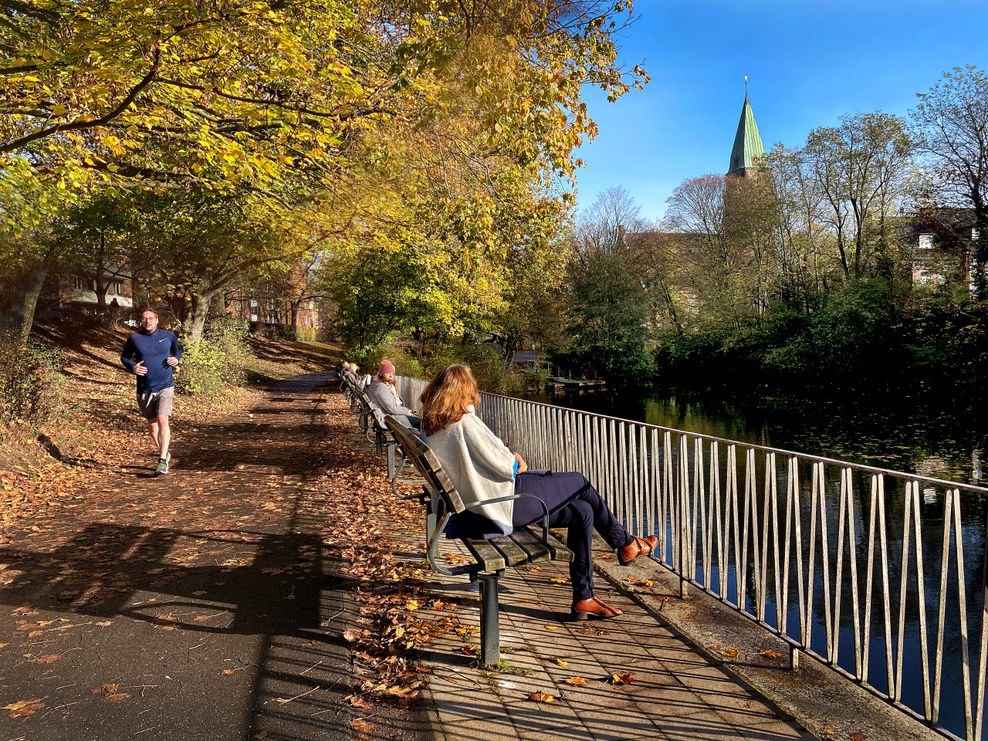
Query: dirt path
<point>201,604</point>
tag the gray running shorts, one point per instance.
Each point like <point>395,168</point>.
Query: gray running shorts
<point>156,404</point>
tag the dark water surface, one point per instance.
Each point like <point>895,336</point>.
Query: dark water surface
<point>888,430</point>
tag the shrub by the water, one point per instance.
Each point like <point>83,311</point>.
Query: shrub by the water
<point>30,382</point>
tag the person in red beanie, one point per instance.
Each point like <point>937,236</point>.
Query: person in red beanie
<point>383,393</point>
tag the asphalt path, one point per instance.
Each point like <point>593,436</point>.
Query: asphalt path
<point>197,605</point>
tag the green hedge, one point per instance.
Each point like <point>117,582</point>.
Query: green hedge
<point>219,359</point>
<point>30,382</point>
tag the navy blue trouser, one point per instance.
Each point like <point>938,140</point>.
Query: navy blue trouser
<point>573,503</point>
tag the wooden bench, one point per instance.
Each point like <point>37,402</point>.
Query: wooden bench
<point>349,386</point>
<point>492,555</point>
<point>372,424</point>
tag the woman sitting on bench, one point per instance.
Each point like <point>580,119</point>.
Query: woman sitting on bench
<point>482,468</point>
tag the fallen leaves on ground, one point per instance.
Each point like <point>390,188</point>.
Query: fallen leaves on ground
<point>541,696</point>
<point>621,678</point>
<point>640,582</point>
<point>356,701</point>
<point>771,653</point>
<point>362,726</point>
<point>731,652</point>
<point>576,681</point>
<point>22,708</point>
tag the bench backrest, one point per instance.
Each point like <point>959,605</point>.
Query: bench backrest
<point>425,461</point>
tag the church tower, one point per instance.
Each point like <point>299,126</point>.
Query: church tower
<point>748,150</point>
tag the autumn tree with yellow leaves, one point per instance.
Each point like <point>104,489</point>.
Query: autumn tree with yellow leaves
<point>445,130</point>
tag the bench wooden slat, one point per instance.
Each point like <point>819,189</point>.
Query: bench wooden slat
<point>489,557</point>
<point>539,551</point>
<point>514,555</point>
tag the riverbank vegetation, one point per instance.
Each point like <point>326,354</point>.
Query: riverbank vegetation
<point>852,264</point>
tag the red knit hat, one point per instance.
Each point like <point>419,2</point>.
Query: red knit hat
<point>386,366</point>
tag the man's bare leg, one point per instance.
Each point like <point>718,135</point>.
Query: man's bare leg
<point>164,436</point>
<point>153,428</point>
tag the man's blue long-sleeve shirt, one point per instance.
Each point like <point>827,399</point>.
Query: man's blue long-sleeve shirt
<point>154,349</point>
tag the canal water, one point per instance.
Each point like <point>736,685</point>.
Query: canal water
<point>887,432</point>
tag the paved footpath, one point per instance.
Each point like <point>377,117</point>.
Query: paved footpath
<point>205,605</point>
<point>197,605</point>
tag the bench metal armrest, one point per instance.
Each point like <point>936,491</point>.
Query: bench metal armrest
<point>545,510</point>
<point>432,548</point>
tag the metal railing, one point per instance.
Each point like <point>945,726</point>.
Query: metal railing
<point>879,574</point>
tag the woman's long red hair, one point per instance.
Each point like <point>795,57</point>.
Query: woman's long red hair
<point>446,398</point>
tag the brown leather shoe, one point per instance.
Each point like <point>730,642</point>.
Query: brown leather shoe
<point>593,609</point>
<point>637,547</point>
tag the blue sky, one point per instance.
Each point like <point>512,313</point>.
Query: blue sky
<point>808,64</point>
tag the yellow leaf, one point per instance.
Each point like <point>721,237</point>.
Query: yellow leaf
<point>363,726</point>
<point>731,652</point>
<point>562,662</point>
<point>23,708</point>
<point>622,678</point>
<point>576,681</point>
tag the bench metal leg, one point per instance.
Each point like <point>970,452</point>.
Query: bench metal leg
<point>490,629</point>
<point>392,464</point>
<point>431,520</point>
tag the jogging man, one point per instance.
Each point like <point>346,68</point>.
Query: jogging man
<point>150,354</point>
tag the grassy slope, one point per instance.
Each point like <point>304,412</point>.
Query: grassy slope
<point>100,422</point>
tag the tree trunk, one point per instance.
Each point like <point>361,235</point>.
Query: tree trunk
<point>196,325</point>
<point>100,283</point>
<point>19,299</point>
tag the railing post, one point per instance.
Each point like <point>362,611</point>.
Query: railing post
<point>684,489</point>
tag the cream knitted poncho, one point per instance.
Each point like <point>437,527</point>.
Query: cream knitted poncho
<point>480,466</point>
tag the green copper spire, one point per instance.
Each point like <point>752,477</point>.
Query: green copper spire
<point>748,148</point>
